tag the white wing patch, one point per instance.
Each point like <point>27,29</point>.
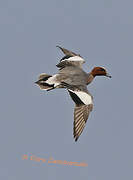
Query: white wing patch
<point>74,58</point>
<point>84,97</point>
<point>53,80</point>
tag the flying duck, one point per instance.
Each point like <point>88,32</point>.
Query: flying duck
<point>74,79</point>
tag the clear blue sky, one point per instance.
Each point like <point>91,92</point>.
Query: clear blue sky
<point>41,123</point>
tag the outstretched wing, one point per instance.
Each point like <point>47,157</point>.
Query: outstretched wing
<point>83,106</point>
<point>67,52</point>
<point>70,59</point>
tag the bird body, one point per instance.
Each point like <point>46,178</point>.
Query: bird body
<point>72,77</point>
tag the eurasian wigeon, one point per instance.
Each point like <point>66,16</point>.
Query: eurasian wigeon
<point>72,77</point>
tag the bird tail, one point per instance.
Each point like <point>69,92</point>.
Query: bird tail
<point>45,82</point>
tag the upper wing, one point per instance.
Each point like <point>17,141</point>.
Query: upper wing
<point>83,106</point>
<point>70,59</point>
<point>67,52</point>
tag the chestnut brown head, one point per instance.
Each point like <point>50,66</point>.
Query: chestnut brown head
<point>99,71</point>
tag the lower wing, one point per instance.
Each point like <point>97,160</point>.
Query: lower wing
<point>83,106</point>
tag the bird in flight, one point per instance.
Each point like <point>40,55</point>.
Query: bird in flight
<point>74,79</point>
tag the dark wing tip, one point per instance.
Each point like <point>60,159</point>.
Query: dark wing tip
<point>59,47</point>
<point>76,139</point>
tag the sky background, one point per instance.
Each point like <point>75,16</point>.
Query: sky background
<point>39,123</point>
